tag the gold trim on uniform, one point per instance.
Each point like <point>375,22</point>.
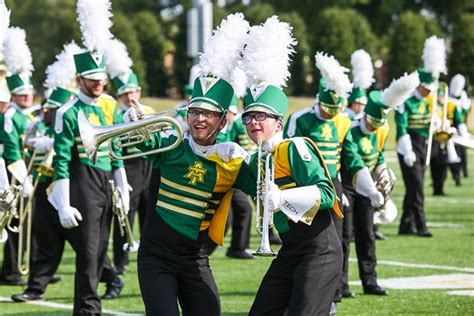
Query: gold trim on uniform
<point>182,198</point>
<point>180,210</point>
<point>185,188</point>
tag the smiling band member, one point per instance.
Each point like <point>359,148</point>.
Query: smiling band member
<point>195,190</point>
<point>302,280</point>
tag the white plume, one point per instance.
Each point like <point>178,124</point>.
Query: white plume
<point>4,23</point>
<point>434,55</point>
<point>117,60</point>
<point>400,89</point>
<point>456,85</point>
<point>62,72</point>
<point>362,69</point>
<point>94,20</point>
<point>194,73</point>
<point>239,82</point>
<point>334,74</point>
<point>222,50</point>
<point>267,55</point>
<point>17,54</point>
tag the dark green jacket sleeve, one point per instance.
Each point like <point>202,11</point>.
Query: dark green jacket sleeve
<point>350,156</point>
<point>246,181</point>
<point>11,142</point>
<point>63,146</point>
<point>402,122</point>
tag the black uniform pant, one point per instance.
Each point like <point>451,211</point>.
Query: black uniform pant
<point>241,217</point>
<point>456,167</point>
<point>464,161</point>
<point>438,166</point>
<point>172,269</point>
<point>338,224</point>
<point>90,193</point>
<point>138,176</point>
<point>10,256</point>
<point>303,278</point>
<point>413,216</point>
<point>362,220</point>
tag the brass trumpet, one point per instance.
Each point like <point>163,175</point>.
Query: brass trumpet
<point>264,216</point>
<point>8,208</point>
<point>124,225</point>
<point>128,135</point>
<point>442,135</point>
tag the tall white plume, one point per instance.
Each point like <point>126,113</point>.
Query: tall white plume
<point>267,55</point>
<point>117,60</point>
<point>400,89</point>
<point>239,82</point>
<point>434,55</point>
<point>62,72</point>
<point>334,74</point>
<point>17,54</point>
<point>95,23</point>
<point>4,23</point>
<point>362,69</point>
<point>194,73</point>
<point>222,50</point>
<point>456,85</point>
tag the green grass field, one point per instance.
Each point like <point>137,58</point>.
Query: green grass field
<point>451,220</point>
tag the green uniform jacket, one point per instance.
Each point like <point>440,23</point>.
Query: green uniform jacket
<point>292,171</point>
<point>195,191</point>
<point>370,147</point>
<point>331,136</point>
<point>103,111</point>
<point>414,115</point>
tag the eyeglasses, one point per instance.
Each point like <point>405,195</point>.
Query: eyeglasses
<point>206,114</point>
<point>261,116</point>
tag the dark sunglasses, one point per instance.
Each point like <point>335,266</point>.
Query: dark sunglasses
<point>261,116</point>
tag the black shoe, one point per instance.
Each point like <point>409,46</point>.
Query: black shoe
<point>113,290</point>
<point>439,193</point>
<point>20,282</point>
<point>275,239</point>
<point>55,279</point>
<point>239,254</point>
<point>424,233</point>
<point>407,232</point>
<point>346,293</point>
<point>120,270</point>
<point>457,182</point>
<point>380,236</point>
<point>27,296</point>
<point>374,290</point>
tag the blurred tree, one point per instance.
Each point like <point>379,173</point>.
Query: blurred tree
<point>463,47</point>
<point>407,42</point>
<point>154,46</point>
<point>258,12</point>
<point>124,31</point>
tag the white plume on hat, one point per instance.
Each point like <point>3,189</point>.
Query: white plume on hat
<point>400,89</point>
<point>95,23</point>
<point>62,72</point>
<point>17,54</point>
<point>222,50</point>
<point>194,73</point>
<point>267,55</point>
<point>4,23</point>
<point>434,56</point>
<point>334,74</point>
<point>239,82</point>
<point>456,85</point>
<point>362,69</point>
<point>117,60</point>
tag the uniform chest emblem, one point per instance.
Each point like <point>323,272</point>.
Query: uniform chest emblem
<point>326,132</point>
<point>366,145</point>
<point>195,173</point>
<point>94,119</point>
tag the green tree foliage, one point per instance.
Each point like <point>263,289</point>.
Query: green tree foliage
<point>124,31</point>
<point>150,36</point>
<point>257,13</point>
<point>463,47</point>
<point>407,42</point>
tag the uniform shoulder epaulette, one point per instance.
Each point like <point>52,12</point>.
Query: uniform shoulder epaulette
<point>293,118</point>
<point>302,148</point>
<point>8,121</point>
<point>58,121</point>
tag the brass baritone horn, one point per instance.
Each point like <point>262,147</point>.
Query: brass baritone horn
<point>8,209</point>
<point>128,134</point>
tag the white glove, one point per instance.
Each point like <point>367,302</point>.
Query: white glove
<point>19,172</point>
<point>131,115</point>
<point>274,196</point>
<point>228,151</point>
<point>345,200</point>
<point>409,159</point>
<point>4,183</point>
<point>41,144</point>
<point>27,187</point>
<point>58,196</point>
<point>376,199</point>
<point>120,178</point>
<point>462,130</point>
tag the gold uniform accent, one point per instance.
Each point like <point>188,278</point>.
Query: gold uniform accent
<point>185,188</point>
<point>195,173</point>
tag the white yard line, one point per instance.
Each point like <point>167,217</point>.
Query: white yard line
<point>65,306</point>
<point>420,266</point>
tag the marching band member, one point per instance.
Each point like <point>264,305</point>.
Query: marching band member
<point>195,189</point>
<point>13,125</point>
<point>465,104</point>
<point>369,133</point>
<point>302,280</point>
<point>84,205</point>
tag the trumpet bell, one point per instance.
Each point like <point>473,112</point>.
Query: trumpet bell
<point>442,136</point>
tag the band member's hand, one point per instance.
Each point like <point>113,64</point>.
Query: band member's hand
<point>27,187</point>
<point>230,151</point>
<point>376,199</point>
<point>42,143</point>
<point>69,217</point>
<point>345,200</point>
<point>120,178</point>
<point>409,159</point>
<point>130,116</point>
<point>274,196</point>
